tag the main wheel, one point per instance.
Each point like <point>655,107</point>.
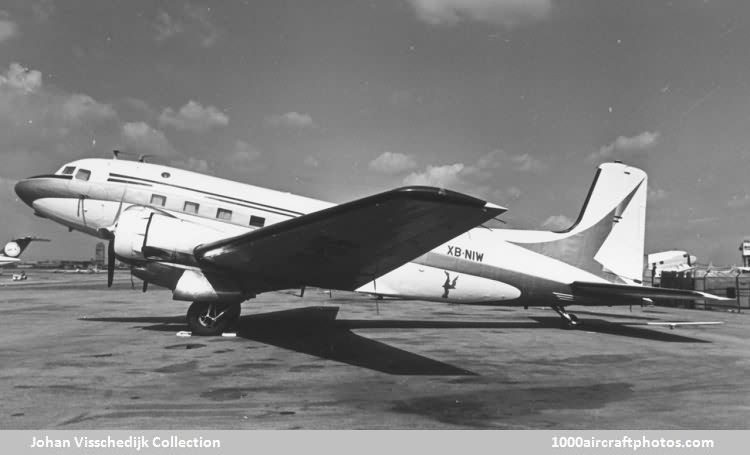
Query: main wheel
<point>210,318</point>
<point>571,323</point>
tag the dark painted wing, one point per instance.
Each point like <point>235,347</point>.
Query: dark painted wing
<point>346,246</point>
<point>612,292</point>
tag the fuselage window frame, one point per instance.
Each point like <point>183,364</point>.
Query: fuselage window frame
<point>257,221</point>
<point>223,214</point>
<point>191,207</point>
<point>156,197</point>
<point>83,174</point>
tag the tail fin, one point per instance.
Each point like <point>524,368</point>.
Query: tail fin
<point>15,247</point>
<point>608,237</point>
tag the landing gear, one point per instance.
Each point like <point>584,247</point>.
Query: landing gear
<point>210,318</point>
<point>570,321</point>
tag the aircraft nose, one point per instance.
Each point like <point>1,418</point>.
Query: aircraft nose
<point>28,191</point>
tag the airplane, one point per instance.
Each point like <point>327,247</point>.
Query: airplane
<point>155,217</point>
<point>217,243</point>
<point>670,261</point>
<point>12,251</point>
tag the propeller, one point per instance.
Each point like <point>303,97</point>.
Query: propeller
<point>110,262</point>
<point>111,245</point>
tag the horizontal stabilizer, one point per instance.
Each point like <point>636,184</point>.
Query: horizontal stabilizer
<point>615,291</point>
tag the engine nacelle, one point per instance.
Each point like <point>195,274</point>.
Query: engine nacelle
<point>191,283</point>
<point>143,233</point>
<point>194,285</point>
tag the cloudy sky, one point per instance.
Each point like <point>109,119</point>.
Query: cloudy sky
<point>515,101</point>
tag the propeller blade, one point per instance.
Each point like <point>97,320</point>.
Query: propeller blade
<point>110,263</point>
<point>119,207</point>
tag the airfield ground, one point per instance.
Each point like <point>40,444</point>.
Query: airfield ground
<point>76,355</point>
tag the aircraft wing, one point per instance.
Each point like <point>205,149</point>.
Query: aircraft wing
<point>348,245</point>
<point>620,291</point>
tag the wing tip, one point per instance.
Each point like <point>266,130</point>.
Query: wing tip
<point>446,195</point>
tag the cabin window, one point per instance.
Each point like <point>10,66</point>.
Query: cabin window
<point>67,170</point>
<point>83,174</point>
<point>166,175</point>
<point>224,214</point>
<point>257,221</point>
<point>158,199</point>
<point>190,207</point>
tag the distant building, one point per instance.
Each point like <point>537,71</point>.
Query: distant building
<point>100,254</point>
<point>745,250</point>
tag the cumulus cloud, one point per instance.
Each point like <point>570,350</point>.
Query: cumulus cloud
<point>43,10</point>
<point>40,126</point>
<point>290,119</point>
<point>392,163</point>
<point>166,26</point>
<point>194,117</point>
<point>200,16</point>
<point>507,13</point>
<point>625,145</point>
<point>137,108</point>
<point>244,153</point>
<point>447,176</point>
<point>193,21</point>
<point>197,165</point>
<point>526,163</point>
<point>22,96</point>
<point>8,28</point>
<point>557,222</point>
<point>79,108</point>
<point>478,178</point>
<point>142,138</point>
<point>20,78</point>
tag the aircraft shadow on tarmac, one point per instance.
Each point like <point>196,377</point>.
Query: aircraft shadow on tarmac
<point>316,331</point>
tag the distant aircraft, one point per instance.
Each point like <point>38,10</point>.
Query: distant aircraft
<point>218,243</point>
<point>670,261</point>
<point>12,251</point>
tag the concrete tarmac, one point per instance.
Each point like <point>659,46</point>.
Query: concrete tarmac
<point>76,355</point>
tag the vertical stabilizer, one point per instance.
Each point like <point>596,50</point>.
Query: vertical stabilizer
<point>608,237</point>
<point>15,247</point>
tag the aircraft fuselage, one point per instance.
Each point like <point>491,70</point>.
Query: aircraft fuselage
<point>481,266</point>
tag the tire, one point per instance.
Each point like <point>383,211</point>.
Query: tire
<point>202,325</point>
<point>572,323</point>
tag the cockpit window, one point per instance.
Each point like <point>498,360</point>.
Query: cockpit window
<point>83,174</point>
<point>67,170</point>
